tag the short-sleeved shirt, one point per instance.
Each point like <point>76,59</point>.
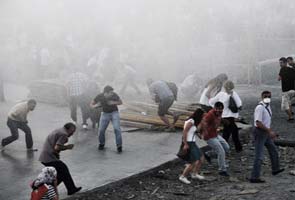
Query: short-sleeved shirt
<point>19,112</point>
<point>262,114</point>
<point>223,97</point>
<point>104,102</point>
<point>287,75</point>
<point>161,90</point>
<point>48,154</point>
<point>213,122</point>
<point>191,137</point>
<point>76,84</point>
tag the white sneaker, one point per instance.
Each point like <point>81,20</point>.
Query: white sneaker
<point>184,179</point>
<point>197,176</point>
<point>2,148</point>
<point>84,126</point>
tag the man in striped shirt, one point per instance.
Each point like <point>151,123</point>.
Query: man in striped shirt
<point>76,85</point>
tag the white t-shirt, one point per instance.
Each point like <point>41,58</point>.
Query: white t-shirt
<point>223,97</point>
<point>261,114</point>
<point>191,132</point>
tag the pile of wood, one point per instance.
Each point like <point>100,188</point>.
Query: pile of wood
<point>51,91</point>
<point>144,115</point>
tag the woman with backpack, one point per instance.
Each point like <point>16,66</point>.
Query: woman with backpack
<point>194,157</point>
<point>232,104</point>
<point>45,186</point>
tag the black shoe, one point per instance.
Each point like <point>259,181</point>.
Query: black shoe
<point>278,171</point>
<point>32,149</point>
<point>256,180</point>
<point>223,173</point>
<point>119,149</point>
<point>101,147</point>
<point>75,191</point>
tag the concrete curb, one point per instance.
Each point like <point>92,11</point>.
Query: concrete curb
<point>125,180</point>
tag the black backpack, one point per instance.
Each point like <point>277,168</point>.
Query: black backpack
<point>232,105</point>
<point>173,87</point>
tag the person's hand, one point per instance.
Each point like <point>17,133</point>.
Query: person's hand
<point>272,135</point>
<point>111,103</point>
<point>185,147</point>
<point>70,146</point>
<point>202,136</point>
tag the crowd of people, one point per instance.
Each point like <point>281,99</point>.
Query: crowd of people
<point>220,106</point>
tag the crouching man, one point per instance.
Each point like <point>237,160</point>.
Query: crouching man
<point>54,144</point>
<point>17,119</point>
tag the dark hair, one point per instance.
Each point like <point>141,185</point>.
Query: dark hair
<point>32,101</point>
<point>218,104</point>
<point>265,92</point>
<point>289,58</point>
<point>69,125</point>
<point>107,89</point>
<point>197,116</point>
<point>283,59</point>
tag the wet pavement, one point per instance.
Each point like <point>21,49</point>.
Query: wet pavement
<point>90,168</point>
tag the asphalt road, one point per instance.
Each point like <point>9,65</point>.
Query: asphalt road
<point>90,168</point>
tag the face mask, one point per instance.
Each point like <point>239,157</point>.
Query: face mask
<point>266,100</point>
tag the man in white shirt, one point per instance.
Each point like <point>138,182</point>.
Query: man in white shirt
<point>263,136</point>
<point>17,119</point>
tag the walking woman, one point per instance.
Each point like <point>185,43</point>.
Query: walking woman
<point>189,139</point>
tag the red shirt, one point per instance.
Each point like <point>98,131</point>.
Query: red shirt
<point>212,123</point>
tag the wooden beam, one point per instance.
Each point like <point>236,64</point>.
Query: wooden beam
<point>154,120</point>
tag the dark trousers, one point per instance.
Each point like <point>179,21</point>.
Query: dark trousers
<point>14,126</point>
<point>63,174</point>
<point>230,128</point>
<point>261,139</point>
<point>80,101</point>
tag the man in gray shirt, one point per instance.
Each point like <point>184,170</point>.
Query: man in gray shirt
<point>54,144</point>
<point>163,95</point>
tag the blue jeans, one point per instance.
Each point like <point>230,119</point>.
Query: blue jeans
<point>103,124</point>
<point>261,139</point>
<point>220,146</point>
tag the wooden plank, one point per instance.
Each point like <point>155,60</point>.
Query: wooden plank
<point>153,107</point>
<point>154,120</point>
<point>141,111</point>
<point>135,124</point>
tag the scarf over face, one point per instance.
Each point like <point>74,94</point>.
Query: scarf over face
<point>47,176</point>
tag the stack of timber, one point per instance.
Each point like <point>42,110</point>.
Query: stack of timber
<point>50,91</point>
<point>144,115</point>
